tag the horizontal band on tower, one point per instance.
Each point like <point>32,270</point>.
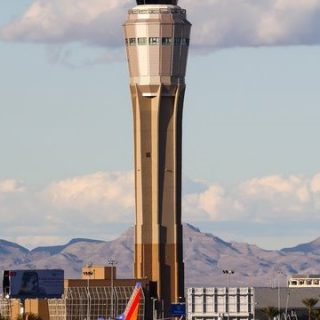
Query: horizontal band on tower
<point>152,41</point>
<point>142,2</point>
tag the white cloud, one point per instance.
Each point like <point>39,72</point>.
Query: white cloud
<point>95,22</point>
<point>11,186</point>
<point>216,23</point>
<point>315,183</point>
<point>231,23</point>
<point>259,199</point>
<point>106,196</point>
<point>315,188</point>
<point>211,199</point>
<point>97,205</point>
<point>94,206</point>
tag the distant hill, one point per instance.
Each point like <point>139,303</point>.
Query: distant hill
<point>52,250</point>
<point>310,247</point>
<point>205,256</point>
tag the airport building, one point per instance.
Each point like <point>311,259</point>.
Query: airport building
<point>220,303</point>
<point>248,303</point>
<point>99,294</point>
<point>304,281</point>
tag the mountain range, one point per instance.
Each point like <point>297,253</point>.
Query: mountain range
<point>205,258</point>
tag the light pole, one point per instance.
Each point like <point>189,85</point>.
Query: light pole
<point>88,274</point>
<point>279,300</point>
<point>287,302</point>
<point>228,273</point>
<point>112,263</point>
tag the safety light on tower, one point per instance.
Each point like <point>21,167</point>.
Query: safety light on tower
<point>157,36</point>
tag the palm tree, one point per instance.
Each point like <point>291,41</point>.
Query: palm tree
<point>316,314</point>
<point>270,312</point>
<point>310,303</point>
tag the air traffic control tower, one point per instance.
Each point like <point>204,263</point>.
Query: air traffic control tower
<point>157,36</point>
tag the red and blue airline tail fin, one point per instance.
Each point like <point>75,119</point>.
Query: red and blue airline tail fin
<point>132,308</point>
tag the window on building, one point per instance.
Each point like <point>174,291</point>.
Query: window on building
<point>154,40</point>
<point>177,41</point>
<point>166,41</point>
<point>142,41</point>
<point>183,41</point>
<point>132,41</point>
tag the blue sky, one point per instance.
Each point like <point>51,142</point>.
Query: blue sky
<point>251,121</point>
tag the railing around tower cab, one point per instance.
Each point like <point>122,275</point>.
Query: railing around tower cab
<point>145,10</point>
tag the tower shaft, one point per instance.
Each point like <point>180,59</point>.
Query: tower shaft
<point>158,238</point>
<point>157,38</point>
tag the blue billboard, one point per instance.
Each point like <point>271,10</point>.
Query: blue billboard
<point>24,284</point>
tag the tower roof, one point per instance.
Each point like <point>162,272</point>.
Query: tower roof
<point>141,2</point>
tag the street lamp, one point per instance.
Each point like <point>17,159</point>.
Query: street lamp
<point>228,273</point>
<point>112,263</point>
<point>279,301</point>
<point>287,302</point>
<point>88,274</point>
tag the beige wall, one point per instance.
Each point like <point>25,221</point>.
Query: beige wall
<point>38,307</point>
<point>98,272</point>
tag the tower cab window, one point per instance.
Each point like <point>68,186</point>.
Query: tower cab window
<point>154,40</point>
<point>166,41</point>
<point>142,41</point>
<point>177,41</point>
<point>132,41</point>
